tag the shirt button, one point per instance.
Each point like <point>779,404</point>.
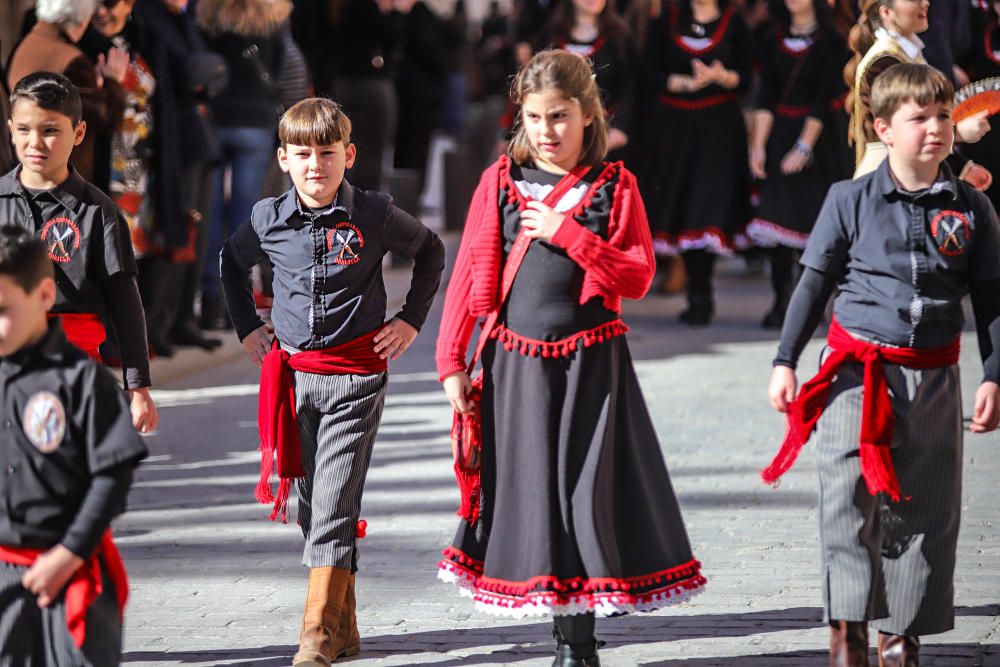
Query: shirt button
<point>7,423</point>
<point>10,469</point>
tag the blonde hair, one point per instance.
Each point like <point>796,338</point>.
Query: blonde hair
<point>573,77</point>
<point>861,38</point>
<point>248,18</point>
<point>314,120</point>
<point>908,82</point>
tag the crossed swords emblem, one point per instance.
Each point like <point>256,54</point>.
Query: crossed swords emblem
<point>346,253</point>
<point>60,238</point>
<point>950,229</point>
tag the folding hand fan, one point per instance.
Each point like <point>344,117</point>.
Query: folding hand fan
<point>978,96</point>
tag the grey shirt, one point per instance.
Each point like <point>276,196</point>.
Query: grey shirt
<point>328,285</point>
<point>901,262</point>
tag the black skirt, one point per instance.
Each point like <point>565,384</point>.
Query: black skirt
<point>578,513</point>
<point>696,185</point>
<point>789,204</point>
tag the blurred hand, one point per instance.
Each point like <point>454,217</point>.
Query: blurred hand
<point>456,387</point>
<point>391,342</point>
<point>794,162</point>
<point>986,413</point>
<point>540,221</point>
<point>758,158</point>
<point>257,344</point>
<point>144,415</point>
<point>50,573</point>
<point>114,65</point>
<point>616,139</point>
<point>973,128</point>
<point>782,387</point>
<point>978,177</point>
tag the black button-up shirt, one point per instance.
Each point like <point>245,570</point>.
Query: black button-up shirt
<point>328,285</point>
<point>65,420</point>
<point>88,242</point>
<point>905,260</point>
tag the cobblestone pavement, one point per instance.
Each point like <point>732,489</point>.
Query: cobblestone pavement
<point>216,583</point>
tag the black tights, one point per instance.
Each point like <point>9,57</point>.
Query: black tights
<point>699,265</point>
<point>576,629</point>
<point>783,272</point>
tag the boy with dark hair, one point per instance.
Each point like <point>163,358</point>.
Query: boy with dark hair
<point>324,374</point>
<point>902,245</point>
<point>84,233</point>
<point>69,454</point>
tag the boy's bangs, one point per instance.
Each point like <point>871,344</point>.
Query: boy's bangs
<point>917,83</point>
<point>314,121</point>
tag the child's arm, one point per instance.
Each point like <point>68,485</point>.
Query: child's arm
<point>985,292</point>
<point>239,254</point>
<point>624,263</point>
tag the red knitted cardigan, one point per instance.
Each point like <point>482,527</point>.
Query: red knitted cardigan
<point>620,267</point>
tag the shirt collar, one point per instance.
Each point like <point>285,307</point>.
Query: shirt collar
<point>68,192</point>
<point>52,346</point>
<point>343,204</point>
<point>913,47</point>
<point>944,183</point>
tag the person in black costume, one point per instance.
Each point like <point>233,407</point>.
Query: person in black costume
<point>695,181</point>
<point>795,150</point>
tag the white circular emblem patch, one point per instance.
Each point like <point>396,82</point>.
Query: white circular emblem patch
<point>44,421</point>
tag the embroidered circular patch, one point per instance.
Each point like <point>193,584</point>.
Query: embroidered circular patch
<point>951,233</point>
<point>62,238</point>
<point>44,421</point>
<point>347,241</point>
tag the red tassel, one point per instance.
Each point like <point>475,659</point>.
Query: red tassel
<point>361,529</point>
<point>878,471</point>
<point>280,509</point>
<point>263,492</point>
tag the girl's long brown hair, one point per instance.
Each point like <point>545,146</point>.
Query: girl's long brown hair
<point>860,39</point>
<point>572,76</point>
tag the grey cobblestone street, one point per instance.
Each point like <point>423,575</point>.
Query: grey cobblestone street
<point>216,583</point>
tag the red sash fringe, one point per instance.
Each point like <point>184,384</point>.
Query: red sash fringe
<point>876,410</point>
<point>86,584</point>
<point>276,417</point>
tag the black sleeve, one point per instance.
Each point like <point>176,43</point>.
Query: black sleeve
<point>804,313</point>
<point>626,85</point>
<point>117,253</point>
<point>105,499</point>
<point>407,236</point>
<point>239,254</point>
<point>826,249</point>
<point>742,50</point>
<point>105,422</point>
<point>985,287</point>
<point>121,294</point>
<point>767,93</point>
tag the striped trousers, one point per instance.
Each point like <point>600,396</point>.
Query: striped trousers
<point>35,637</point>
<point>885,562</point>
<point>338,418</point>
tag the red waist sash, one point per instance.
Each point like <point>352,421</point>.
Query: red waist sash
<point>687,104</point>
<point>876,409</point>
<point>276,417</point>
<point>85,330</point>
<point>86,584</point>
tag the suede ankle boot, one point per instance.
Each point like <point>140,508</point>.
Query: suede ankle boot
<point>848,644</point>
<point>347,640</point>
<point>326,598</point>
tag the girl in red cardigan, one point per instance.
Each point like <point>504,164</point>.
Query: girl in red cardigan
<point>575,515</point>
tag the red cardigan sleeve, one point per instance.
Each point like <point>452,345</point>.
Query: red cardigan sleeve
<point>457,322</point>
<point>623,266</point>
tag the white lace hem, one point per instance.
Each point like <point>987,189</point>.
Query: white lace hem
<point>601,604</point>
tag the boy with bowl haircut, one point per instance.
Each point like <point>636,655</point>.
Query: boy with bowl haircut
<point>324,373</point>
<point>902,245</point>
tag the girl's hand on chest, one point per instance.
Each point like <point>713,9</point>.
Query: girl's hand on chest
<point>540,221</point>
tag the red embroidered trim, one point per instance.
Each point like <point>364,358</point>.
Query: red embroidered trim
<point>531,347</point>
<point>594,48</point>
<point>514,195</point>
<point>709,236</point>
<point>471,569</point>
<point>988,42</point>
<point>792,52</point>
<point>714,40</point>
<point>789,111</point>
<point>694,105</point>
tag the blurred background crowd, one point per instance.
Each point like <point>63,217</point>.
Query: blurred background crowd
<point>182,99</point>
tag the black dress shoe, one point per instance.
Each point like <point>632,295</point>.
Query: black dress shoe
<point>192,336</point>
<point>577,655</point>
